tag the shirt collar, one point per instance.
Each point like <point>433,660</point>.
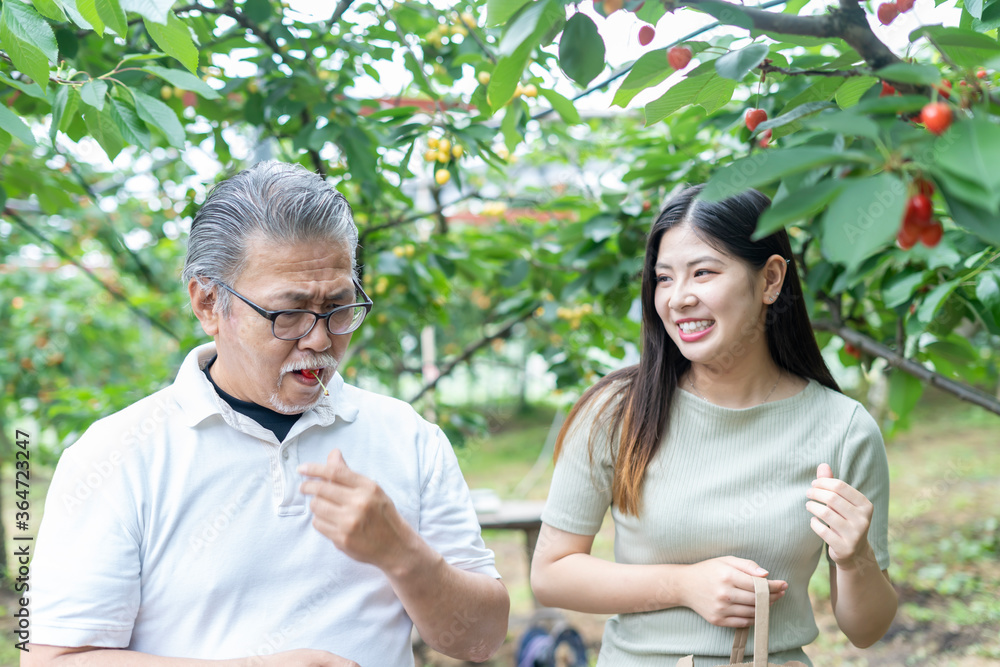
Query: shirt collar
<point>198,400</point>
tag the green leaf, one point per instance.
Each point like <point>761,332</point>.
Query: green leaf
<point>92,93</point>
<point>820,91</point>
<point>900,289</point>
<point>851,91</point>
<point>795,114</point>
<point>974,7</point>
<point>12,123</point>
<point>103,128</point>
<point>59,99</point>
<point>50,9</point>
<point>725,12</point>
<point>499,11</point>
<point>130,126</point>
<point>88,10</point>
<point>891,105</point>
<point>581,49</point>
<point>159,115</point>
<point>709,90</point>
<point>910,73</point>
<point>863,218</point>
<point>600,227</point>
<point>506,76</point>
<point>737,64</point>
<point>935,299</point>
<point>28,40</point>
<point>800,205</point>
<point>183,80</point>
<point>522,28</point>
<point>175,39</point>
<point>772,165</point>
<point>904,392</point>
<point>649,70</point>
<point>154,10</point>
<point>28,25</point>
<point>113,16</point>
<point>32,89</point>
<point>508,126</point>
<point>984,224</point>
<point>988,289</point>
<point>844,122</point>
<point>508,70</point>
<point>966,48</point>
<point>970,150</point>
<point>563,106</point>
<point>257,11</point>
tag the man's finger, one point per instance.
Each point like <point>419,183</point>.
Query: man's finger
<point>322,488</point>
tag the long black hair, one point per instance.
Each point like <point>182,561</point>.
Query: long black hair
<point>647,389</point>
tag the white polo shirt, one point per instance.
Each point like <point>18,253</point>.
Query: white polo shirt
<point>176,527</point>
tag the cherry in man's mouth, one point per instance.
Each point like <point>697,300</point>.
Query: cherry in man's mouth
<point>311,376</point>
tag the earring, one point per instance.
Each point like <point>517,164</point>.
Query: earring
<point>771,299</point>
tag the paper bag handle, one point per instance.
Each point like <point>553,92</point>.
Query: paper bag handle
<point>761,616</point>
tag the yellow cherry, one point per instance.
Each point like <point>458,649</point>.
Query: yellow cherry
<point>442,176</point>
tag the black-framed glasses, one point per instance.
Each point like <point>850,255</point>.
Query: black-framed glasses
<point>295,324</point>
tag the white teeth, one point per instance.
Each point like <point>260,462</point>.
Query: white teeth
<point>695,326</point>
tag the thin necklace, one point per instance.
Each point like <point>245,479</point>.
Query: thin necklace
<point>691,382</point>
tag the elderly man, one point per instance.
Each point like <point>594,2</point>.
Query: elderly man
<point>244,515</point>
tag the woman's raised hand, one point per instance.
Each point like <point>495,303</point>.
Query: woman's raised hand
<point>721,591</point>
<point>842,516</point>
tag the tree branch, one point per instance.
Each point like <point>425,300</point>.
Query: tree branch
<point>471,349</point>
<point>876,349</point>
<point>848,21</point>
<point>813,72</point>
<point>338,11</point>
<point>90,274</point>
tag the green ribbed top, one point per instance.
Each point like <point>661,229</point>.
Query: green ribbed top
<point>725,482</point>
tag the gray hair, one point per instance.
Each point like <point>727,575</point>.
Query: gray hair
<point>272,201</point>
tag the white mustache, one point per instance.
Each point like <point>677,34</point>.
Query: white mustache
<point>323,361</point>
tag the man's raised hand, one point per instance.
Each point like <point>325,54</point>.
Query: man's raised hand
<point>355,513</point>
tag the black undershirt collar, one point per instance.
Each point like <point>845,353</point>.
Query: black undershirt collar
<point>276,422</point>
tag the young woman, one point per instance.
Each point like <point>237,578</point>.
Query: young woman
<point>728,452</point>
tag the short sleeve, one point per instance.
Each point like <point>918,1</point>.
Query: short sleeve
<point>85,585</point>
<point>447,517</point>
<point>863,465</point>
<point>581,488</point>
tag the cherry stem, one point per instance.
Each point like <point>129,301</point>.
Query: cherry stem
<point>326,392</point>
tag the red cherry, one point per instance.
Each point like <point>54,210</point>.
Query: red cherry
<point>887,90</point>
<point>919,211</point>
<point>931,235</point>
<point>981,74</point>
<point>679,57</point>
<point>646,34</point>
<point>853,351</point>
<point>924,186</point>
<point>887,12</point>
<point>754,117</point>
<point>904,5</point>
<point>765,138</point>
<point>907,237</point>
<point>936,117</point>
<point>944,89</point>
